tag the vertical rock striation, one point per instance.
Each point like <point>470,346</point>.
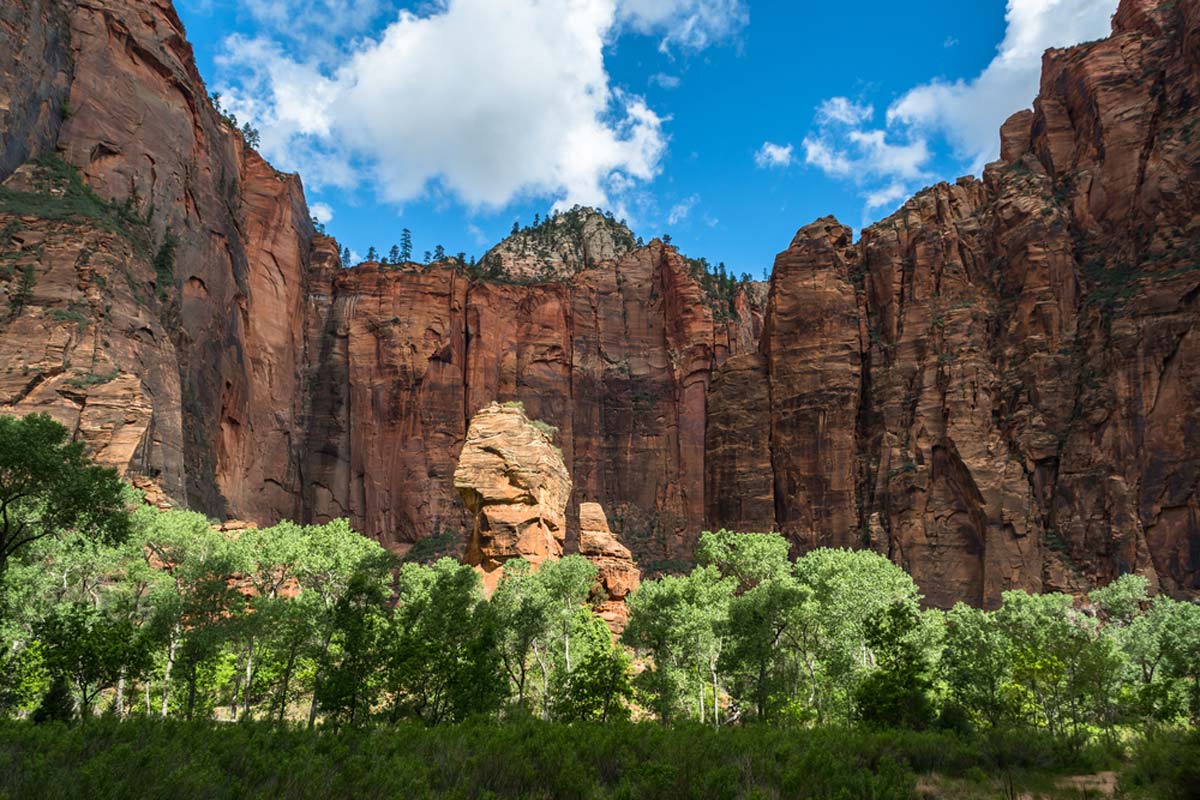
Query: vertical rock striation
<point>996,386</point>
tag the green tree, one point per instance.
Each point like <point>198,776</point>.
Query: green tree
<point>352,663</point>
<point>334,557</point>
<point>599,688</point>
<point>58,704</point>
<point>1063,669</point>
<point>90,650</point>
<point>750,558</point>
<point>897,693</point>
<point>844,590</point>
<point>523,612</point>
<point>439,253</point>
<point>406,245</point>
<point>568,582</point>
<point>270,559</point>
<point>49,486</point>
<point>192,614</point>
<point>445,663</point>
<point>394,255</point>
<point>372,254</point>
<point>976,665</point>
<point>1180,644</point>
<point>758,659</point>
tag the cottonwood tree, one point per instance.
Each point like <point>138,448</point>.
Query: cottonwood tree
<point>598,688</point>
<point>91,650</point>
<point>444,664</point>
<point>50,487</point>
<point>523,611</point>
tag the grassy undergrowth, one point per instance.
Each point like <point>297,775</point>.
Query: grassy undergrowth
<point>531,759</point>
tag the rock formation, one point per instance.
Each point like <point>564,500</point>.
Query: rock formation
<point>997,386</point>
<point>618,574</point>
<point>559,247</point>
<point>618,359</point>
<point>513,482</point>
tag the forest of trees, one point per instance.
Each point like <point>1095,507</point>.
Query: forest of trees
<point>111,607</point>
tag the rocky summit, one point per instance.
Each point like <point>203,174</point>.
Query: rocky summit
<point>997,387</point>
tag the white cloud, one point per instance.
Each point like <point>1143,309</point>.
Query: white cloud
<point>665,81</point>
<point>487,100</point>
<point>968,113</point>
<point>880,157</point>
<point>772,155</point>
<point>681,210</point>
<point>693,24</point>
<point>820,153</point>
<point>886,196</point>
<point>477,235</point>
<point>845,111</point>
<point>950,42</point>
<point>887,163</point>
<point>322,212</point>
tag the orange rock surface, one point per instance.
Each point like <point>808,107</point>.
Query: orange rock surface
<point>618,573</point>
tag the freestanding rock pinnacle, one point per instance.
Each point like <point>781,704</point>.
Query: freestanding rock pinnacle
<point>513,481</point>
<point>618,574</point>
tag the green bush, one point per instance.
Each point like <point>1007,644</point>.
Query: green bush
<point>63,196</point>
<point>529,759</point>
<point>1166,766</point>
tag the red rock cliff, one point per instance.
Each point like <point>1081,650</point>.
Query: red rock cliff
<point>998,386</point>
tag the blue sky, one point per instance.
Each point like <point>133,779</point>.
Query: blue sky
<point>726,123</point>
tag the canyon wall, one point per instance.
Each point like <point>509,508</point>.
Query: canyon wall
<point>998,386</point>
<point>618,360</point>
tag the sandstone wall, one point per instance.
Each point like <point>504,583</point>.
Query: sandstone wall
<point>998,386</point>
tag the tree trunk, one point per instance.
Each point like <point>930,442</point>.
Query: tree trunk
<point>171,646</point>
<point>287,679</point>
<point>545,684</point>
<point>716,706</point>
<point>119,698</point>
<point>312,709</point>
<point>249,680</point>
<point>191,697</point>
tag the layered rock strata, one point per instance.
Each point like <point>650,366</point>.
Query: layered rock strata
<point>513,482</point>
<point>618,574</point>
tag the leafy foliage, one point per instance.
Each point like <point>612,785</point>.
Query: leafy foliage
<point>48,486</point>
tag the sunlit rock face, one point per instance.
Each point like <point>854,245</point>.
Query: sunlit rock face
<point>513,482</point>
<point>618,574</point>
<point>998,386</point>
